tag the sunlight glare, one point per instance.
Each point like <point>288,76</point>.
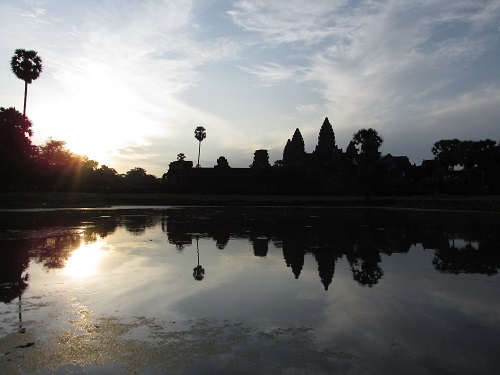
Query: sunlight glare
<point>97,113</point>
<point>84,260</point>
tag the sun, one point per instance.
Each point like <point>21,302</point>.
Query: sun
<point>99,112</point>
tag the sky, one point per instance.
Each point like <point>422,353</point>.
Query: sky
<point>126,82</point>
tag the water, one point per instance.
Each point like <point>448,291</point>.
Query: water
<point>249,291</point>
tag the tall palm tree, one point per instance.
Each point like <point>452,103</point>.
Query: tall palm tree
<point>26,65</point>
<point>369,141</point>
<point>200,134</point>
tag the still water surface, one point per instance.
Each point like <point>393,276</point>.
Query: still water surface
<point>249,291</point>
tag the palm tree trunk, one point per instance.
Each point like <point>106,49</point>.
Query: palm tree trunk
<point>25,96</point>
<point>199,149</point>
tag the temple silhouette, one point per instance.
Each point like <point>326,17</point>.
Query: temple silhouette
<point>326,170</point>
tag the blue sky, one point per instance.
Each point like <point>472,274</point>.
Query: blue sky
<point>127,82</point>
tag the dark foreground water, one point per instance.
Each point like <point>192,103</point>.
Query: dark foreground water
<point>249,291</point>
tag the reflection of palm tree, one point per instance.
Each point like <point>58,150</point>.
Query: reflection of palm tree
<point>198,271</point>
<point>366,272</point>
<point>200,134</point>
<point>20,289</point>
<point>364,262</point>
<point>26,65</point>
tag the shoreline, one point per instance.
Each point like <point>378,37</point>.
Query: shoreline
<point>490,203</point>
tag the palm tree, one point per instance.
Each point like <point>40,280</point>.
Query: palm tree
<point>200,134</point>
<point>26,65</point>
<point>369,142</point>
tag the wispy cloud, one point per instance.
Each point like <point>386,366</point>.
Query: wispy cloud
<point>273,73</point>
<point>310,109</point>
<point>285,21</point>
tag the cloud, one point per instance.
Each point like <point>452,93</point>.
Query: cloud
<point>285,21</point>
<point>307,109</point>
<point>460,116</point>
<point>273,73</point>
<point>376,63</point>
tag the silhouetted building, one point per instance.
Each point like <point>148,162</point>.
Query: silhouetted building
<point>326,149</point>
<point>397,168</point>
<point>222,163</point>
<point>261,159</point>
<point>294,151</point>
<point>326,170</point>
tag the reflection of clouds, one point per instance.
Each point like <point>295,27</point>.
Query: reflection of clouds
<point>460,295</point>
<point>412,317</point>
<point>153,278</point>
<point>83,261</point>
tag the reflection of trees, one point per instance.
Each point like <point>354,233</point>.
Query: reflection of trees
<point>14,259</point>
<point>137,224</point>
<point>467,245</point>
<point>48,238</point>
<point>54,251</point>
<point>482,259</point>
<point>104,225</point>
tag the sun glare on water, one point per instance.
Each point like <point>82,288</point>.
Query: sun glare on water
<point>84,261</point>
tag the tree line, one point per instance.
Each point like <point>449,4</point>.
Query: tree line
<point>469,166</point>
<point>53,167</point>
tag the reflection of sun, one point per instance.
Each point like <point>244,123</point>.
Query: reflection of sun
<point>84,260</point>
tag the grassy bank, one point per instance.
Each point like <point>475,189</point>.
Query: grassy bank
<point>90,200</point>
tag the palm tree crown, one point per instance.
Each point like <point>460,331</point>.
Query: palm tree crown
<point>369,140</point>
<point>200,134</point>
<point>26,65</point>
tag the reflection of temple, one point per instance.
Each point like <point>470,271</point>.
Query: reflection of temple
<point>359,236</point>
<point>326,266</point>
<point>466,243</point>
